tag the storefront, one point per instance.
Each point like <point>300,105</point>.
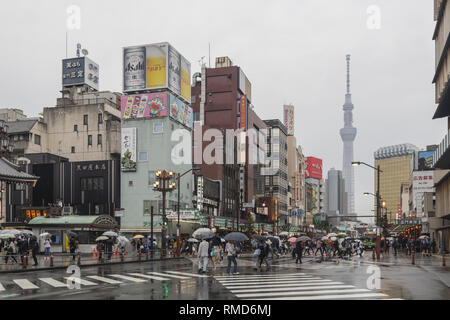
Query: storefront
<point>87,229</point>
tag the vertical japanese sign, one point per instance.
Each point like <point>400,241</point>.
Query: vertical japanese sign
<point>288,112</point>
<point>399,213</point>
<point>243,113</point>
<point>200,193</point>
<point>128,158</point>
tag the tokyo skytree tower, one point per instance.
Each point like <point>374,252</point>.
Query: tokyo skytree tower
<point>348,135</point>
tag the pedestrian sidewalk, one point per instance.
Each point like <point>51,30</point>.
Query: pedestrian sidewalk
<point>62,260</point>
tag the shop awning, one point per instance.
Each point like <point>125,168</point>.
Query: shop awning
<point>97,222</point>
<point>10,172</point>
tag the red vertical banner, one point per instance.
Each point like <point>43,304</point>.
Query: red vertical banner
<point>399,216</point>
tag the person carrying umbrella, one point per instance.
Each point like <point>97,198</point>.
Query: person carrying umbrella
<point>264,253</point>
<point>299,251</point>
<point>203,253</point>
<point>72,247</point>
<point>231,251</point>
<point>10,251</point>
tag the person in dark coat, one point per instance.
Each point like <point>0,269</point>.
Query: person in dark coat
<point>299,251</point>
<point>34,249</point>
<point>73,247</point>
<point>109,247</point>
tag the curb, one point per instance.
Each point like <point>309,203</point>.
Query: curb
<point>87,265</point>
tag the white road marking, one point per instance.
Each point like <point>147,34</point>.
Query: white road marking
<point>81,281</point>
<point>272,281</point>
<point>168,275</point>
<point>260,276</point>
<point>189,274</point>
<point>25,284</point>
<point>127,278</point>
<point>328,297</point>
<point>53,282</point>
<point>284,288</point>
<point>103,279</point>
<point>1,287</point>
<point>269,279</point>
<point>149,277</point>
<point>299,293</point>
<point>293,284</point>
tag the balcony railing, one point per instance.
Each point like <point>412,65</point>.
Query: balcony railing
<point>442,150</point>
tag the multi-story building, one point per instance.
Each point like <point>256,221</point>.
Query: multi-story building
<point>222,100</point>
<point>396,163</point>
<point>441,158</point>
<point>12,114</point>
<point>336,197</point>
<point>296,177</point>
<point>276,185</point>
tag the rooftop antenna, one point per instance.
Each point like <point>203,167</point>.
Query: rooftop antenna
<point>201,61</point>
<point>78,49</point>
<point>209,53</point>
<point>84,52</point>
<point>348,74</point>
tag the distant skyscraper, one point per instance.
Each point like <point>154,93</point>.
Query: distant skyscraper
<point>348,135</point>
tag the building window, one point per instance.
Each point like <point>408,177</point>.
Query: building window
<point>100,118</point>
<point>89,140</point>
<point>16,138</point>
<point>99,139</point>
<point>73,150</point>
<point>37,139</point>
<point>92,184</point>
<point>85,119</point>
<point>75,127</point>
<point>142,156</point>
<point>151,177</point>
<point>21,137</point>
<point>158,127</point>
<point>147,205</point>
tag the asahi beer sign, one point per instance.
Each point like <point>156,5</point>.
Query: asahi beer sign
<point>134,68</point>
<point>128,158</point>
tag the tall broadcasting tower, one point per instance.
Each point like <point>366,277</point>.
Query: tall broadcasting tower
<point>348,135</point>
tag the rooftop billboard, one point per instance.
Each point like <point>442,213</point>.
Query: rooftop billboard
<point>313,168</point>
<point>156,66</point>
<point>80,71</point>
<point>425,160</point>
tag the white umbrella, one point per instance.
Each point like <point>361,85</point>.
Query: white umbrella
<point>192,240</point>
<point>110,234</point>
<point>222,239</point>
<point>284,233</point>
<point>333,238</point>
<point>101,238</point>
<point>7,236</point>
<point>423,237</point>
<point>26,232</point>
<point>203,233</point>
<point>10,231</point>
<point>45,234</point>
<point>122,239</point>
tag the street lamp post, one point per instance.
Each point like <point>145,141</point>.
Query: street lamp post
<point>178,208</point>
<point>163,185</point>
<point>378,241</point>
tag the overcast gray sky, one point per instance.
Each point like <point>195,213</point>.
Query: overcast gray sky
<point>291,51</point>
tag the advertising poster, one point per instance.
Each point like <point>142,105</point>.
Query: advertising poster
<point>150,105</point>
<point>181,112</point>
<point>174,70</point>
<point>186,79</point>
<point>425,160</point>
<point>288,112</point>
<point>91,71</point>
<point>313,168</point>
<point>156,66</point>
<point>134,68</point>
<point>128,157</point>
<point>423,181</point>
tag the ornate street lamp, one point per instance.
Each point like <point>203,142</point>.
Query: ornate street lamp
<point>164,185</point>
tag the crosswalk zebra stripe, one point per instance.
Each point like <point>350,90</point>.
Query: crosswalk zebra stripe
<point>330,297</point>
<point>294,283</point>
<point>168,275</point>
<point>149,277</point>
<point>269,281</point>
<point>189,274</point>
<point>54,283</point>
<point>25,284</point>
<point>103,279</point>
<point>2,288</point>
<point>293,288</point>
<point>265,278</point>
<point>299,293</point>
<point>81,281</point>
<point>262,275</point>
<point>127,278</point>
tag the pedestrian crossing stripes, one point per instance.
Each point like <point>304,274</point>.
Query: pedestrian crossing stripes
<point>189,274</point>
<point>149,277</point>
<point>54,283</point>
<point>127,278</point>
<point>103,279</point>
<point>25,284</point>
<point>168,275</point>
<point>80,281</point>
<point>293,287</point>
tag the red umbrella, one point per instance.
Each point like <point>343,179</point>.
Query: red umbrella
<point>293,239</point>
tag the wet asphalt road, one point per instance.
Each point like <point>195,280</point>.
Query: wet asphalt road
<point>179,280</point>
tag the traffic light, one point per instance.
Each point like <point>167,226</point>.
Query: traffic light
<point>383,204</point>
<point>165,223</point>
